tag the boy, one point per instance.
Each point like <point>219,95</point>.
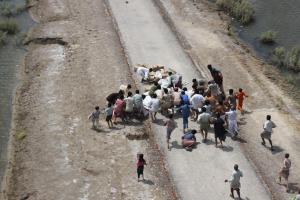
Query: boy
<point>268,129</point>
<point>94,116</point>
<point>170,125</point>
<point>109,113</point>
<point>241,96</point>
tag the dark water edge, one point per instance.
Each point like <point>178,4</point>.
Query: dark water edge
<point>11,58</point>
<point>282,16</point>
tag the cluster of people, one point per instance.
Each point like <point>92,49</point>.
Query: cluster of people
<point>205,102</point>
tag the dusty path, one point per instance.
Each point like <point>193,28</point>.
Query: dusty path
<point>205,34</point>
<point>75,60</point>
<point>200,173</point>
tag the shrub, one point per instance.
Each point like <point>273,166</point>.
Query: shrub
<point>2,38</point>
<point>293,59</point>
<point>242,10</point>
<point>9,10</point>
<point>9,25</point>
<point>279,55</point>
<point>6,9</point>
<point>268,37</point>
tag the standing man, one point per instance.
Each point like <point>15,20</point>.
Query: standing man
<point>285,170</point>
<point>170,125</point>
<point>197,101</point>
<point>185,111</point>
<point>217,76</point>
<point>204,121</point>
<point>235,181</point>
<point>232,122</point>
<point>219,130</point>
<point>268,129</point>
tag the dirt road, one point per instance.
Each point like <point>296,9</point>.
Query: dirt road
<point>193,173</point>
<point>75,60</point>
<point>202,30</point>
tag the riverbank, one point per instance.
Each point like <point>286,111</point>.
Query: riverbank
<point>12,54</point>
<point>54,153</point>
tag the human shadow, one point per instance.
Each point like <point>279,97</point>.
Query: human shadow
<point>276,149</point>
<point>238,139</point>
<point>148,182</point>
<point>175,145</point>
<point>246,198</point>
<point>100,130</point>
<point>227,148</point>
<point>208,142</point>
<point>159,122</point>
<point>293,188</point>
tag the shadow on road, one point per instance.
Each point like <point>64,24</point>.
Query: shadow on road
<point>148,182</point>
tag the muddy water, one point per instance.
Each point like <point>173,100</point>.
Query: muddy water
<point>11,57</point>
<point>282,16</point>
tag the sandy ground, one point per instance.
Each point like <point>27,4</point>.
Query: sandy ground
<point>204,36</point>
<point>74,62</point>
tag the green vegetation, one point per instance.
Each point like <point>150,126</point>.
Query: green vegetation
<point>9,25</point>
<point>268,37</point>
<point>279,55</point>
<point>242,10</point>
<point>2,38</point>
<point>9,10</point>
<point>289,60</point>
<point>20,38</point>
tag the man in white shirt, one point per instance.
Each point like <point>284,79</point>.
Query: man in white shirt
<point>232,122</point>
<point>154,107</point>
<point>268,130</point>
<point>143,72</point>
<point>235,181</point>
<point>197,101</point>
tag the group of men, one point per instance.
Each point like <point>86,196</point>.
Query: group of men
<point>205,102</point>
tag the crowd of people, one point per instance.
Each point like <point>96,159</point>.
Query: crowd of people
<point>205,102</point>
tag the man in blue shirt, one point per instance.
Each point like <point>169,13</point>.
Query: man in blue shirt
<point>189,140</point>
<point>185,111</point>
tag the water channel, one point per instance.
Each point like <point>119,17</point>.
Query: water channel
<point>11,57</point>
<point>282,16</point>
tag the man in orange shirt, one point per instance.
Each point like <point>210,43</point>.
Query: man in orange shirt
<point>240,95</point>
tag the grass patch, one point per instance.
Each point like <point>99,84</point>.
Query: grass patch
<point>21,135</point>
<point>242,10</point>
<point>268,37</point>
<point>9,25</point>
<point>9,10</point>
<point>288,59</point>
<point>3,36</point>
<point>20,39</point>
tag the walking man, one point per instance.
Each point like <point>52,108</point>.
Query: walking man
<point>285,170</point>
<point>268,129</point>
<point>185,111</point>
<point>235,181</point>
<point>204,121</point>
<point>217,76</point>
<point>170,125</point>
<point>219,130</point>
